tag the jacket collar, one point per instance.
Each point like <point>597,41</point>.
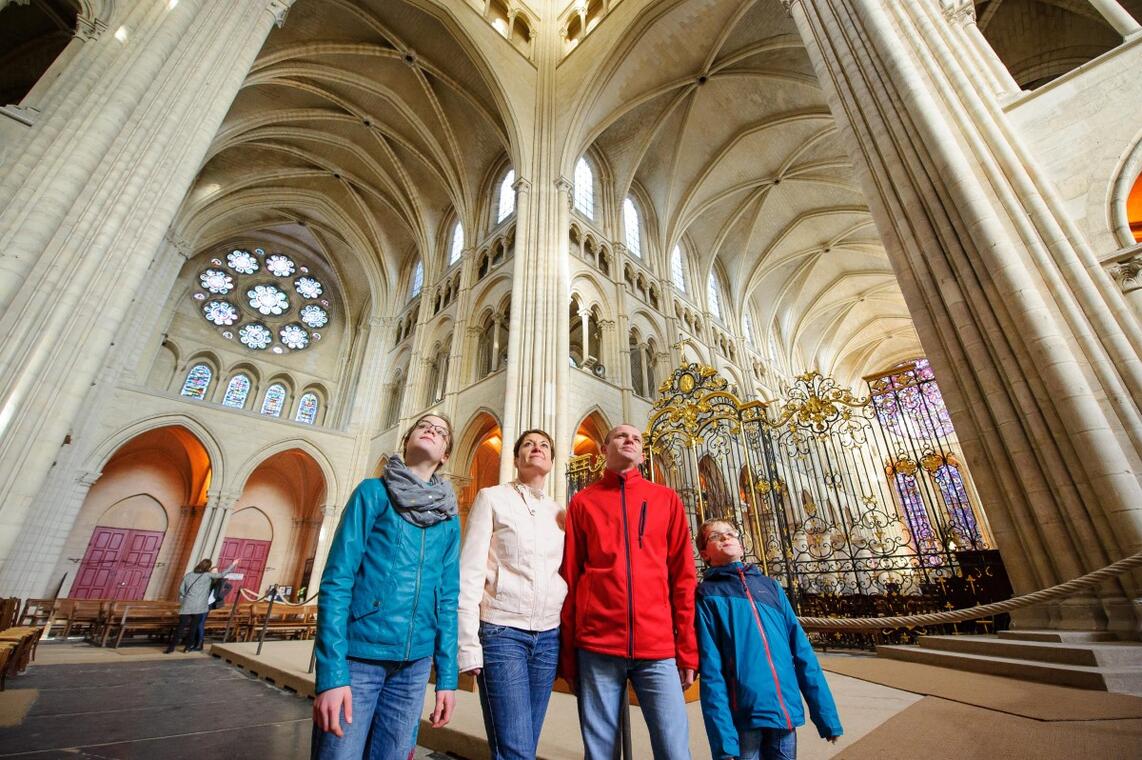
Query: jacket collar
<point>612,479</point>
<point>731,570</point>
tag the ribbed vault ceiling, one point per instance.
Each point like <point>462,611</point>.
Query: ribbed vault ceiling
<point>713,113</point>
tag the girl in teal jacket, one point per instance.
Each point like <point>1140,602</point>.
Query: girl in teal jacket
<point>387,606</point>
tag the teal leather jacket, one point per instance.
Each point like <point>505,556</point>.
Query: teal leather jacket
<point>389,590</point>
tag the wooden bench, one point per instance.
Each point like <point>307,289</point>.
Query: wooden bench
<point>216,621</point>
<point>7,653</point>
<point>284,622</point>
<point>154,619</point>
<point>65,616</point>
<point>9,612</point>
<point>19,644</point>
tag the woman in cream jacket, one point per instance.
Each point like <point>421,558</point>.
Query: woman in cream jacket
<point>510,597</point>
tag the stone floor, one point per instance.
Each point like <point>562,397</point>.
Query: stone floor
<point>133,706</point>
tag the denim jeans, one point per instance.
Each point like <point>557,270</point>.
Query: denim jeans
<point>768,744</point>
<point>602,679</point>
<point>515,686</point>
<point>186,632</point>
<point>388,699</point>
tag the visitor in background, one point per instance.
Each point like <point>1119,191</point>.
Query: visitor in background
<point>194,604</point>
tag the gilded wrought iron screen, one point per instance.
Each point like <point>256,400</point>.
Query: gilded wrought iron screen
<point>857,505</point>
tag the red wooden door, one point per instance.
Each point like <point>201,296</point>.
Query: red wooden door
<point>251,555</point>
<point>118,564</point>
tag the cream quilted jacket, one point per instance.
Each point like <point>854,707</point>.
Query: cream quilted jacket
<point>509,566</point>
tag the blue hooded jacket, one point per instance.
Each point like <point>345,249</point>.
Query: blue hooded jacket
<point>755,660</point>
<point>389,590</point>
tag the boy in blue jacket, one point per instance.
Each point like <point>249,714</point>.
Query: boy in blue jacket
<point>754,659</point>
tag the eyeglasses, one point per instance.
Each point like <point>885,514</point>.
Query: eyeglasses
<point>425,425</point>
<point>719,535</point>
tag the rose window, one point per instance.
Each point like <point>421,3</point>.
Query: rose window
<point>247,296</point>
<point>267,300</point>
<point>216,281</point>
<point>255,336</point>
<point>280,266</point>
<point>307,287</point>
<point>220,313</point>
<point>314,316</point>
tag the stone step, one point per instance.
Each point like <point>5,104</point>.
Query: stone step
<point>1059,636</point>
<point>1116,654</point>
<point>1120,680</point>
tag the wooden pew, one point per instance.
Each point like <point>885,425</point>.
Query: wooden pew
<point>285,621</point>
<point>20,645</point>
<point>154,619</point>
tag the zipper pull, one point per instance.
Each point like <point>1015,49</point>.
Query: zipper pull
<point>641,522</point>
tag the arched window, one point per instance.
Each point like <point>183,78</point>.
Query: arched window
<point>507,197</point>
<point>677,272</point>
<point>417,280</point>
<point>307,409</point>
<point>197,381</point>
<point>747,323</point>
<point>457,244</point>
<point>236,392</point>
<point>630,226</point>
<point>274,400</point>
<point>584,189</point>
<point>772,347</point>
<point>396,395</point>
<point>714,296</point>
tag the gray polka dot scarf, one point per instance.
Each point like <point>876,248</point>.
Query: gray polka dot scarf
<point>422,504</point>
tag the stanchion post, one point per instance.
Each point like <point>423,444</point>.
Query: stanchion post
<point>273,594</point>
<point>230,618</point>
<point>312,656</point>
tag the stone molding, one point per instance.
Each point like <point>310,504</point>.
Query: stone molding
<point>1128,273</point>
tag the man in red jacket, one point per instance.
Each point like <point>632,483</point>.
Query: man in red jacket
<point>629,613</point>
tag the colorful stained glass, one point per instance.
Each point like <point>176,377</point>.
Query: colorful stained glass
<point>307,287</point>
<point>307,409</point>
<point>236,392</point>
<point>314,316</point>
<point>274,400</point>
<point>216,281</point>
<point>916,515</point>
<point>280,266</point>
<point>267,299</point>
<point>197,381</point>
<point>965,530</point>
<point>256,336</point>
<point>294,336</point>
<point>220,313</point>
<point>242,262</point>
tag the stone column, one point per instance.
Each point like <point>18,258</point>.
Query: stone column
<point>585,322</point>
<point>212,528</point>
<point>85,198</point>
<point>972,43</point>
<point>1117,17</point>
<point>1040,355</point>
<point>330,516</point>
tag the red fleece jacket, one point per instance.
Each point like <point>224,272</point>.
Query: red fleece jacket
<point>629,567</point>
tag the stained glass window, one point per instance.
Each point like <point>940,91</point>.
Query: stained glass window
<point>307,409</point>
<point>457,243</point>
<point>964,529</point>
<point>714,296</point>
<point>916,516</point>
<point>909,403</point>
<point>631,228</point>
<point>584,189</point>
<point>507,197</point>
<point>197,381</point>
<point>677,272</point>
<point>250,297</point>
<point>274,400</point>
<point>236,392</point>
<point>417,280</point>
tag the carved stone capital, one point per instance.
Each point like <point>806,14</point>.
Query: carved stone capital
<point>1128,274</point>
<point>279,9</point>
<point>521,185</point>
<point>181,245</point>
<point>87,479</point>
<point>89,30</point>
<point>958,11</point>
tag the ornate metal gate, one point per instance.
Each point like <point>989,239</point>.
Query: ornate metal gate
<point>858,505</point>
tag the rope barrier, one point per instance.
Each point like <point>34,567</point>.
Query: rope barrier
<point>1089,580</point>
<point>251,598</point>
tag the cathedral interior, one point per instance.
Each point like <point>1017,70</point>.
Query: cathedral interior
<point>243,245</point>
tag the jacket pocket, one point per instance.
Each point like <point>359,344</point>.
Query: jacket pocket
<point>363,609</point>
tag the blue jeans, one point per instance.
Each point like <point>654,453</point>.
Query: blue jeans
<point>515,686</point>
<point>602,679</point>
<point>388,698</point>
<point>767,744</point>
